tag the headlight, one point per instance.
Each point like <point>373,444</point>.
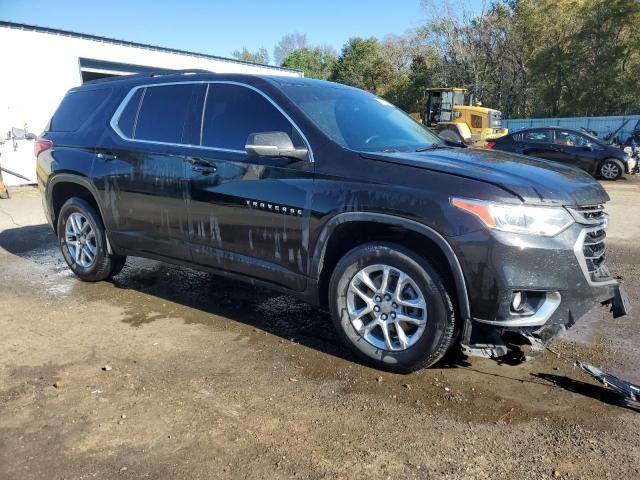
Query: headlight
<point>545,221</point>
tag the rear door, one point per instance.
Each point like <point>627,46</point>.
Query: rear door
<point>250,215</point>
<point>145,180</point>
<point>539,143</point>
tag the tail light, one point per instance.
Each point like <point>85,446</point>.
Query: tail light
<point>41,145</point>
<point>489,145</point>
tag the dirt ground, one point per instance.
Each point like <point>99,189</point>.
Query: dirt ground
<point>170,373</point>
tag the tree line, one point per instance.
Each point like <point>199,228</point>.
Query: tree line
<point>527,58</point>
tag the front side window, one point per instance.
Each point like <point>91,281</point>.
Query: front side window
<point>359,120</point>
<point>163,113</point>
<point>537,136</point>
<point>232,112</point>
<point>571,139</point>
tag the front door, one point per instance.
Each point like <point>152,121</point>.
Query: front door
<point>250,215</point>
<point>576,149</point>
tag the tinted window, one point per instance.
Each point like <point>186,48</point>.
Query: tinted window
<point>76,108</point>
<point>537,136</point>
<point>517,137</point>
<point>163,113</point>
<point>570,139</point>
<point>232,112</point>
<point>359,120</point>
<point>127,119</point>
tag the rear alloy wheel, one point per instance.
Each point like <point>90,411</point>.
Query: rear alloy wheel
<point>391,307</point>
<point>83,242</point>
<point>611,169</point>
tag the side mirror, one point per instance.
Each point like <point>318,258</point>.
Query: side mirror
<point>588,147</point>
<point>273,144</point>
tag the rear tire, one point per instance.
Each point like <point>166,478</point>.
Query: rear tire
<point>611,169</point>
<point>83,242</point>
<point>409,343</point>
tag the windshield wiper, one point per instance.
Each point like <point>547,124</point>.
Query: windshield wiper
<point>433,146</point>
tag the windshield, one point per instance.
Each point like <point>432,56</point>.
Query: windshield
<point>593,139</point>
<point>359,120</point>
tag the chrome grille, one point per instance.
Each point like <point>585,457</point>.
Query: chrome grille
<point>589,214</point>
<point>591,248</point>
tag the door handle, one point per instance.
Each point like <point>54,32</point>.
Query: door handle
<point>201,165</point>
<point>107,157</point>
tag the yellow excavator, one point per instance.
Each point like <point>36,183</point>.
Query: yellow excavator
<point>455,116</point>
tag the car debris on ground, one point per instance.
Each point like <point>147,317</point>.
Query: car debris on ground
<point>629,393</point>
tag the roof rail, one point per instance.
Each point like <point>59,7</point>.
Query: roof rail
<point>156,73</point>
<point>179,72</point>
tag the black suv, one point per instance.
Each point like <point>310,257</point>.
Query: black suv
<point>331,194</point>
<point>571,147</point>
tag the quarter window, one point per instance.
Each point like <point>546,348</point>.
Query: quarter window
<point>76,108</point>
<point>232,112</point>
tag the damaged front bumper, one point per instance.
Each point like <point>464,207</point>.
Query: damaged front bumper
<point>534,288</point>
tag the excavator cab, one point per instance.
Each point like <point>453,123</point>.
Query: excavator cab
<point>440,103</point>
<point>456,117</point>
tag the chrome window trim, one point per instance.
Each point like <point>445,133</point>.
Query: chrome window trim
<point>116,116</point>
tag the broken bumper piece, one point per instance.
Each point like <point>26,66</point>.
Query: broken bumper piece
<point>526,337</point>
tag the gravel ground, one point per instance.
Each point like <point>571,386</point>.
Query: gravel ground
<point>170,373</point>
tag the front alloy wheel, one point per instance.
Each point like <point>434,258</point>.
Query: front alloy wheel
<point>386,307</point>
<point>611,169</point>
<point>391,307</point>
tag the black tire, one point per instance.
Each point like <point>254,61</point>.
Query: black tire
<point>451,134</point>
<point>104,266</point>
<point>440,329</point>
<point>611,169</point>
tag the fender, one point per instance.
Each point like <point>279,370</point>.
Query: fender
<point>431,234</point>
<point>78,180</point>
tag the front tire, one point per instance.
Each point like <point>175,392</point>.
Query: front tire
<point>83,242</point>
<point>391,307</point>
<point>451,134</point>
<point>611,169</point>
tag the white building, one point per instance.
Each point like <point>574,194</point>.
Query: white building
<point>42,64</point>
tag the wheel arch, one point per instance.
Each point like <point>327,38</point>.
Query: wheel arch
<point>620,163</point>
<point>64,186</point>
<point>322,264</point>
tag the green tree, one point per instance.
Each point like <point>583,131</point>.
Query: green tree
<point>259,56</point>
<point>287,45</point>
<point>315,63</point>
<point>362,64</point>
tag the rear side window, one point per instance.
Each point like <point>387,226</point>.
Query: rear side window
<point>538,136</point>
<point>127,120</point>
<point>232,112</point>
<point>76,108</point>
<point>163,113</point>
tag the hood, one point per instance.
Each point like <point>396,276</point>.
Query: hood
<point>533,180</point>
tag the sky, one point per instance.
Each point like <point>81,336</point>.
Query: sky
<point>219,27</point>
